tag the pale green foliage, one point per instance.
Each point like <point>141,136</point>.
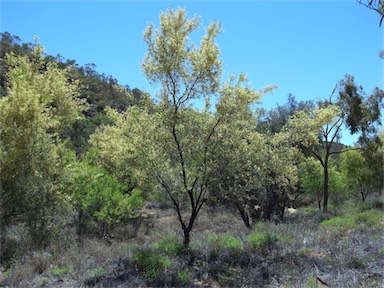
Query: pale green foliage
<point>128,148</point>
<point>236,97</point>
<point>41,94</point>
<point>40,103</point>
<point>248,163</point>
<point>306,128</point>
<point>318,131</point>
<point>184,71</point>
<point>184,149</point>
<point>338,186</point>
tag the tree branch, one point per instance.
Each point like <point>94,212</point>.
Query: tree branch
<point>372,7</point>
<point>342,151</point>
<point>318,157</point>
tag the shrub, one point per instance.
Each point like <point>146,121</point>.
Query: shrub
<point>358,263</point>
<point>60,271</point>
<point>150,264</point>
<point>171,246</point>
<point>340,223</point>
<point>259,240</point>
<point>40,262</point>
<point>312,282</point>
<point>369,217</point>
<point>226,241</point>
<point>304,251</point>
<point>184,276</point>
<point>98,272</point>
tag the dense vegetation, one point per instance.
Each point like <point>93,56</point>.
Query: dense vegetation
<point>87,163</point>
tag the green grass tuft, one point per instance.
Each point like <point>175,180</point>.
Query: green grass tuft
<point>98,272</point>
<point>170,246</point>
<point>340,222</point>
<point>259,240</point>
<point>346,222</point>
<point>184,276</point>
<point>304,251</point>
<point>369,217</point>
<point>226,241</point>
<point>151,264</point>
<point>60,271</point>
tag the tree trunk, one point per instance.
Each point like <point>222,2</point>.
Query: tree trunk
<point>187,233</point>
<point>326,187</point>
<point>244,216</point>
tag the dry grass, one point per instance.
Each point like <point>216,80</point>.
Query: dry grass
<point>301,252</point>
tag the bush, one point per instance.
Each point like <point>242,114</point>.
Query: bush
<point>343,223</point>
<point>226,241</point>
<point>170,246</point>
<point>259,240</point>
<point>358,263</point>
<point>340,223</point>
<point>60,271</point>
<point>304,251</point>
<point>98,272</point>
<point>150,264</point>
<point>184,276</point>
<point>369,217</point>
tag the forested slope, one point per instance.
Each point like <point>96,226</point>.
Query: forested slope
<point>94,175</point>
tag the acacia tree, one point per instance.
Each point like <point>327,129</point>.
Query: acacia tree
<point>184,73</point>
<point>353,109</point>
<point>255,172</point>
<point>173,144</point>
<point>39,105</point>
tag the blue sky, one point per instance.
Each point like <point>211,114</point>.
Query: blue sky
<point>305,47</point>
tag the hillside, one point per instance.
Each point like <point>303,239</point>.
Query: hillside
<point>103,186</point>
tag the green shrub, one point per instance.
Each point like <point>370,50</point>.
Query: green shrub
<point>358,263</point>
<point>151,264</point>
<point>346,222</point>
<point>369,217</point>
<point>259,240</point>
<point>60,271</point>
<point>340,223</point>
<point>184,276</point>
<point>226,241</point>
<point>98,272</point>
<point>304,251</point>
<point>312,282</point>
<point>170,246</point>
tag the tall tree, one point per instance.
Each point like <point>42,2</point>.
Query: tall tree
<point>364,171</point>
<point>40,104</point>
<point>353,108</point>
<point>173,144</point>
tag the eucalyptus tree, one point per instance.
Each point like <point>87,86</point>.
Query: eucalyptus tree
<point>364,171</point>
<point>320,130</point>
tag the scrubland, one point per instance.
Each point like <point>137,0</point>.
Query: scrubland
<point>343,248</point>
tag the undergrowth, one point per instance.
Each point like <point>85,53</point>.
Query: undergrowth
<point>294,253</point>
